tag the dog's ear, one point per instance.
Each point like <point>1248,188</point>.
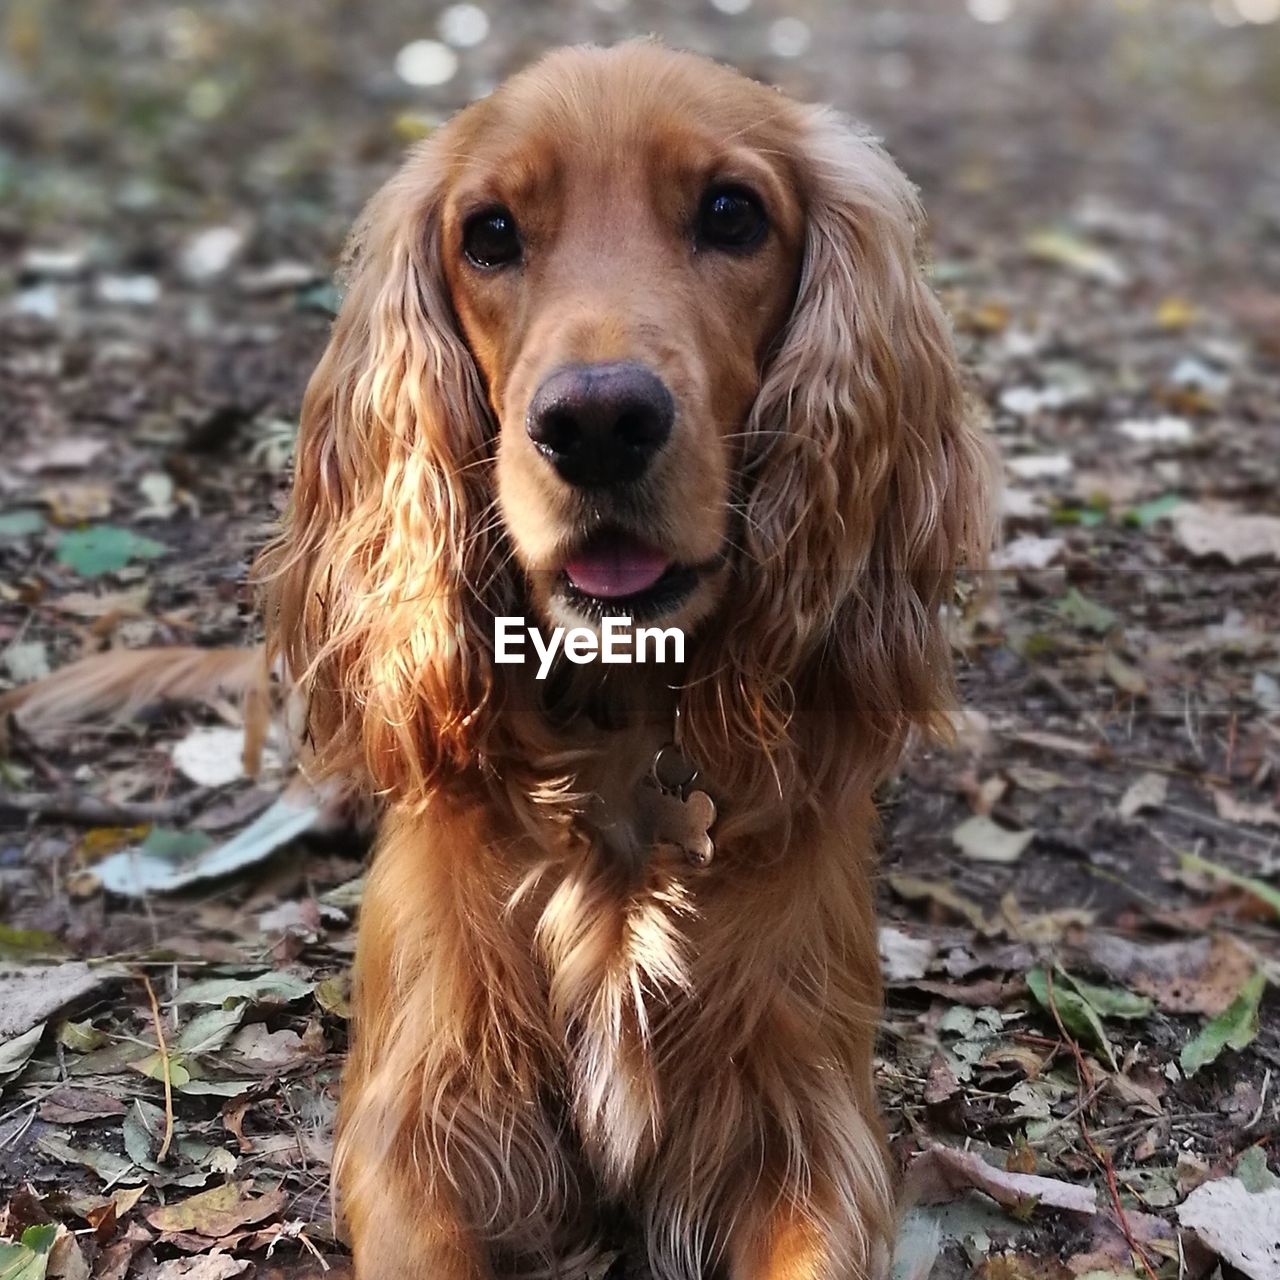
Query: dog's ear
<point>373,586</point>
<point>866,485</point>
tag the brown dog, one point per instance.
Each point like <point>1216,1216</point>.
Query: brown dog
<point>633,336</point>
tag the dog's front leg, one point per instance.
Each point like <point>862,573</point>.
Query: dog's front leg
<point>398,1232</point>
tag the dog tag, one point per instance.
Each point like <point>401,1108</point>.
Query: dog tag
<point>673,812</point>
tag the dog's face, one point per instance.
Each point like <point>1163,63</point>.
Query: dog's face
<point>621,265</point>
<point>632,335</point>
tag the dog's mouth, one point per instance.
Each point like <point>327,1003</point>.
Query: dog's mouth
<point>615,573</point>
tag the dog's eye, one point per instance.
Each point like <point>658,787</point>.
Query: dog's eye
<point>731,218</point>
<point>491,238</point>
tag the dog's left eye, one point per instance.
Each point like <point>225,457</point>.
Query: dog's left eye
<point>491,238</point>
<point>731,218</point>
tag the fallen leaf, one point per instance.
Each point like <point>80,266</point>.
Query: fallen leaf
<point>1234,1028</point>
<point>1176,313</point>
<point>1253,815</point>
<point>1109,1002</point>
<point>104,548</point>
<point>1026,402</point>
<point>217,1212</point>
<point>209,252</point>
<point>208,1266</point>
<point>1252,1170</point>
<point>941,1173</point>
<point>1195,975</point>
<point>33,993</point>
<point>1062,248</point>
<point>333,995</point>
<point>902,956</point>
<point>26,661</point>
<point>1148,791</point>
<point>970,1221</point>
<point>173,846</point>
<point>1241,1227</point>
<point>1236,537</point>
<point>1029,778</point>
<point>157,488</point>
<point>1078,1017</point>
<point>135,873</point>
<point>1126,677</point>
<point>1086,615</point>
<point>74,502</point>
<point>275,988</point>
<point>268,1050</point>
<point>1145,514</point>
<point>914,889</point>
<point>29,1258</point>
<point>1166,429</point>
<point>980,838</point>
<point>1028,552</point>
<point>72,1104</point>
<point>1260,890</point>
<point>19,524</point>
<point>209,1031</point>
<point>66,1258</point>
<point>101,604</point>
<point>211,756</point>
<point>1043,466</point>
<point>68,453</point>
<point>110,1167</point>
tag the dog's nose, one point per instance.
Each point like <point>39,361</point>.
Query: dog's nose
<point>600,424</point>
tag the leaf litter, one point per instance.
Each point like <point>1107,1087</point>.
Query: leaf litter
<point>1079,899</point>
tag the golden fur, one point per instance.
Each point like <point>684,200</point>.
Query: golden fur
<point>550,1016</point>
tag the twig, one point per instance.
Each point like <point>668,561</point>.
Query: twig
<point>1262,1100</point>
<point>165,1065</point>
<point>94,812</point>
<point>1085,1085</point>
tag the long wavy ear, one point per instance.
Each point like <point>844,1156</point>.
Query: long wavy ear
<point>865,487</point>
<point>374,586</point>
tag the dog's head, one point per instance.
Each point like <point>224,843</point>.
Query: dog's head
<point>632,335</point>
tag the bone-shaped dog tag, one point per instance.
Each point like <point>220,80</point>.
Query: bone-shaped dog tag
<point>673,812</point>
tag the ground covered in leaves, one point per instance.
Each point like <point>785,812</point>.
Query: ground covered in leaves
<point>1080,900</point>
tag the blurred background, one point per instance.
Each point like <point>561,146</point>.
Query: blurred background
<point>1103,185</point>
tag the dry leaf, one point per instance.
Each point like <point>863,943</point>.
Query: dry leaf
<point>1124,675</point>
<point>217,1212</point>
<point>1028,552</point>
<point>1241,1227</point>
<point>211,756</point>
<point>1166,429</point>
<point>980,838</point>
<point>1253,815</point>
<point>68,453</point>
<point>942,1173</point>
<point>1237,537</point>
<point>1148,791</point>
<point>1196,975</point>
<point>904,957</point>
<point>208,1266</point>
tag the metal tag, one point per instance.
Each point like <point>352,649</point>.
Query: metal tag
<point>673,812</point>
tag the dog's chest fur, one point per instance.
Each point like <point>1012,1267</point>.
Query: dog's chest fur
<point>612,939</point>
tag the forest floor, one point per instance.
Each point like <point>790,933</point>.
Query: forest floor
<point>1080,900</point>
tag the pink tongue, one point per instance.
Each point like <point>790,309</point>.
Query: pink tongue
<point>615,564</point>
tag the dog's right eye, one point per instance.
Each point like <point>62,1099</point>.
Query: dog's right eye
<point>491,238</point>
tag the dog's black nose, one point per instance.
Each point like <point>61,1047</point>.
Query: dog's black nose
<point>600,424</point>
